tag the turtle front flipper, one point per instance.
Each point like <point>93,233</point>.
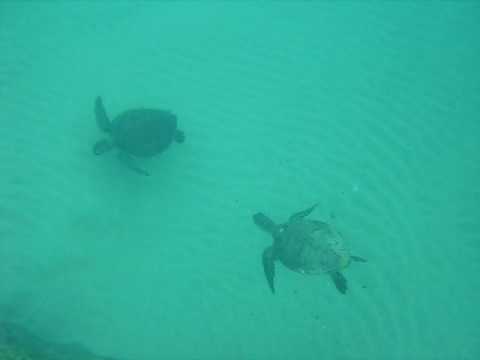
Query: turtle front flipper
<point>358,258</point>
<point>101,116</point>
<point>128,160</point>
<point>340,281</point>
<point>264,222</point>
<point>269,266</point>
<point>303,213</point>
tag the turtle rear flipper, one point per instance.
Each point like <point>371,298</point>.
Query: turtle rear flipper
<point>179,136</point>
<point>102,146</point>
<point>268,260</point>
<point>340,281</point>
<point>101,116</point>
<point>130,162</point>
<point>301,214</point>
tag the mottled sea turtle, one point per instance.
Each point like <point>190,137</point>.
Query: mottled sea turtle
<point>136,133</point>
<point>19,343</point>
<point>306,246</point>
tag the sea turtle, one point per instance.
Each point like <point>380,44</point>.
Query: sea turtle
<point>306,246</point>
<point>136,133</point>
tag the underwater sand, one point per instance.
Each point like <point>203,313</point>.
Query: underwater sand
<point>371,110</point>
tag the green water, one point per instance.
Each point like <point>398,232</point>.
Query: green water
<point>369,109</point>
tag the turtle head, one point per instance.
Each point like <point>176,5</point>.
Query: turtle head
<point>102,146</point>
<point>179,136</point>
<point>265,223</point>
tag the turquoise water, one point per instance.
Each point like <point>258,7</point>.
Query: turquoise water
<point>371,110</point>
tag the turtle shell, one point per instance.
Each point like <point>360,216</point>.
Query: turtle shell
<point>311,247</point>
<point>144,132</point>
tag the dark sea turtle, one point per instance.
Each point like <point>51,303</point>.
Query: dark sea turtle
<point>306,246</point>
<point>19,343</point>
<point>136,133</point>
